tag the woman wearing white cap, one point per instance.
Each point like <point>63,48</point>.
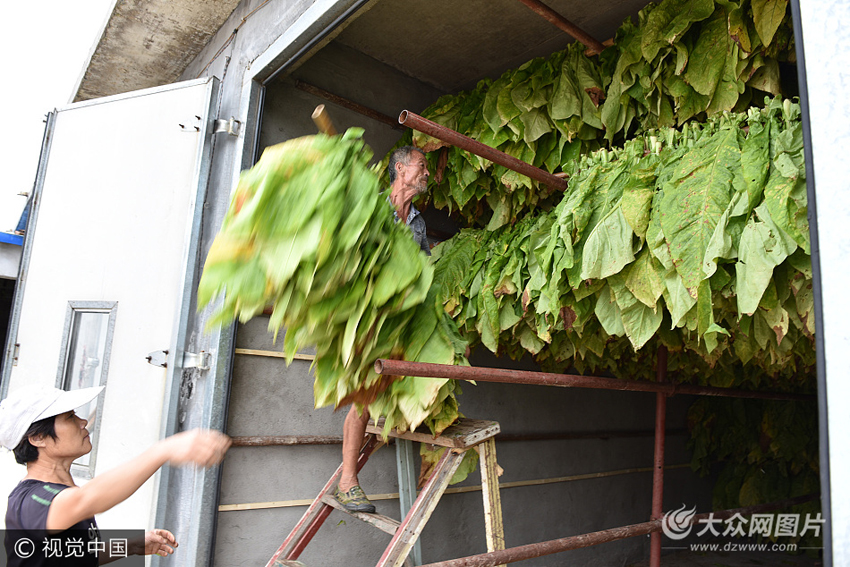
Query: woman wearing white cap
<point>40,426</point>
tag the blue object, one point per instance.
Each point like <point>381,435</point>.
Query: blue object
<point>22,222</point>
<point>11,238</point>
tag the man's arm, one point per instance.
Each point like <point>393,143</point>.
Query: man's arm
<point>72,505</point>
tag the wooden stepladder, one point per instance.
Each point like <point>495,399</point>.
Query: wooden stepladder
<point>464,435</point>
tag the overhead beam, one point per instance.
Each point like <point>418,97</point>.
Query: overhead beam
<point>560,22</point>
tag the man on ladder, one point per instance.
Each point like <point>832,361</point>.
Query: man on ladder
<point>408,169</point>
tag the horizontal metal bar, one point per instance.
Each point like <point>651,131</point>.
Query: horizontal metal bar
<point>530,551</point>
<point>345,103</point>
<point>456,139</point>
<point>285,440</point>
<point>289,440</point>
<point>481,374</point>
<point>559,21</point>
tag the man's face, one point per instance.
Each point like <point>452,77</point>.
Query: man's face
<point>415,172</point>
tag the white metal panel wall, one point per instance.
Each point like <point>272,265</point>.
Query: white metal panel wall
<point>826,42</point>
<point>114,224</point>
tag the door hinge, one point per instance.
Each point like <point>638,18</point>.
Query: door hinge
<point>230,127</point>
<point>199,360</point>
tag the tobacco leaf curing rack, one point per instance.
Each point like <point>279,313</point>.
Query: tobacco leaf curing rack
<point>409,529</point>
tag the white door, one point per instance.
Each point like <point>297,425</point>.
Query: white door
<point>119,198</point>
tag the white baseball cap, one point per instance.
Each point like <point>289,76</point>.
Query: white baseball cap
<point>28,404</point>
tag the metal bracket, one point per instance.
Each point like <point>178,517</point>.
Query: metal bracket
<point>192,125</point>
<point>200,360</point>
<point>230,127</point>
<point>158,358</point>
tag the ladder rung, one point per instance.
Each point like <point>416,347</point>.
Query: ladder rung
<point>383,523</point>
<point>465,433</point>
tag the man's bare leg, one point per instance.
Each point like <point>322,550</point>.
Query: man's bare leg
<point>353,433</point>
<point>348,492</point>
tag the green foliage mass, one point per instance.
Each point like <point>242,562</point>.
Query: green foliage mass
<point>694,239</point>
<point>308,233</point>
<point>685,60</point>
<point>761,450</point>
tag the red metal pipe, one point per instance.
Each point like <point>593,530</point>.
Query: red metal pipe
<point>428,370</point>
<point>530,551</point>
<point>564,25</point>
<point>456,139</point>
<point>365,453</point>
<point>658,471</point>
<point>345,103</point>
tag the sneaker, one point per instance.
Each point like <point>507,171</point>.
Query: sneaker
<point>354,500</point>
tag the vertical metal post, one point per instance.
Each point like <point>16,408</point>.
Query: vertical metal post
<point>658,470</point>
<point>407,479</point>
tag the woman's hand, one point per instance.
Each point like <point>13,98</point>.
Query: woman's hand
<point>201,447</point>
<point>159,542</point>
<point>155,542</point>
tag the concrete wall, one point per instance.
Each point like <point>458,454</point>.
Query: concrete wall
<point>349,74</point>
<point>269,398</point>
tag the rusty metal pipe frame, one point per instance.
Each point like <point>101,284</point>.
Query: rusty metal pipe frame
<point>416,122</point>
<point>658,470</point>
<point>481,374</point>
<point>345,103</point>
<point>291,440</point>
<point>564,25</point>
<point>530,551</point>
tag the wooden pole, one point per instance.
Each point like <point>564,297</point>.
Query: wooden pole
<point>323,121</point>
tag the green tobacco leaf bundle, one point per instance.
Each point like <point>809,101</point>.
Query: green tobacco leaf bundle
<point>670,240</point>
<point>684,61</point>
<point>308,233</point>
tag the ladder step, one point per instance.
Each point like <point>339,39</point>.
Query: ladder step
<point>383,523</point>
<point>465,433</point>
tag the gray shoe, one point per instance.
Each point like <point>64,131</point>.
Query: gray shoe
<point>354,500</point>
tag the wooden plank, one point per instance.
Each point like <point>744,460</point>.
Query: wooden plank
<point>456,490</point>
<point>383,523</point>
<point>494,527</point>
<point>413,524</point>
<point>273,354</point>
<point>463,434</point>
